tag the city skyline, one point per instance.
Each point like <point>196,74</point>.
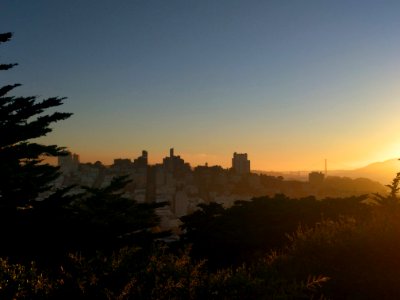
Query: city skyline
<point>240,162</point>
<point>291,84</point>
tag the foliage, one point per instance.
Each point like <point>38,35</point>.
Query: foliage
<point>23,175</point>
<point>262,280</point>
<point>26,199</point>
<point>361,258</point>
<point>161,275</point>
<point>18,281</point>
<point>248,229</point>
<point>106,220</point>
<point>391,199</point>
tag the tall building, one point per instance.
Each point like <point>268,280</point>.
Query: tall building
<point>68,163</point>
<point>174,163</point>
<point>240,163</point>
<point>122,163</point>
<point>141,161</point>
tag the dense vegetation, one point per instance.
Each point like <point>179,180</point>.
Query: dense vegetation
<point>100,245</point>
<point>350,257</point>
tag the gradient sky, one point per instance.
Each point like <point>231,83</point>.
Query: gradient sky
<point>289,82</point>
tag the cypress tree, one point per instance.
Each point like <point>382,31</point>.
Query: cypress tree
<point>25,178</point>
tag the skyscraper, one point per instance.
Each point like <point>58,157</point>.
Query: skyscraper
<point>240,163</point>
<point>68,163</point>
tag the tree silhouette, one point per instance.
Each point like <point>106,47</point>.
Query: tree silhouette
<point>40,222</point>
<point>106,220</point>
<point>25,178</point>
<point>248,229</point>
<point>23,175</point>
<point>391,199</point>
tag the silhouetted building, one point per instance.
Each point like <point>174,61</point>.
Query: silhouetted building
<point>141,161</point>
<point>122,164</point>
<point>316,178</point>
<point>175,164</point>
<point>68,163</point>
<point>240,163</point>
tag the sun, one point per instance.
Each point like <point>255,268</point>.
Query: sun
<point>390,152</point>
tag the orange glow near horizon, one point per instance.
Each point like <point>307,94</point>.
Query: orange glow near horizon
<point>258,161</point>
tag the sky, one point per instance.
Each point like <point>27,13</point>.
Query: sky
<point>291,83</point>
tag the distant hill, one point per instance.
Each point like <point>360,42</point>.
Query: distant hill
<point>383,172</point>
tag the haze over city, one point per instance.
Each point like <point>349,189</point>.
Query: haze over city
<point>288,82</point>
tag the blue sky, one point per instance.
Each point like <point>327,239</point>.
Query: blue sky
<point>289,82</point>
